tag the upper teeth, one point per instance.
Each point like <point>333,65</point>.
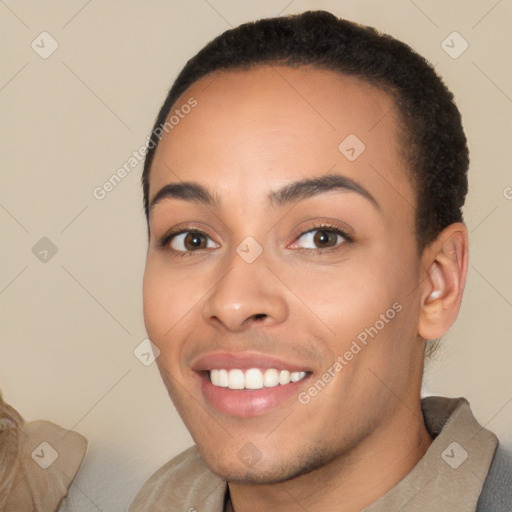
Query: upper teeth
<point>253,378</point>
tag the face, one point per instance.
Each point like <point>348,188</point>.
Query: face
<point>282,269</point>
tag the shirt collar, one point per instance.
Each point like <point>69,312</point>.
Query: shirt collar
<point>451,474</point>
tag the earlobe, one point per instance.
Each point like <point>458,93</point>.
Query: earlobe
<point>446,262</point>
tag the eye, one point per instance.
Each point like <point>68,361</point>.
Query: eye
<point>322,237</point>
<point>189,241</point>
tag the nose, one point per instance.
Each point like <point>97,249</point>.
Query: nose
<point>247,294</point>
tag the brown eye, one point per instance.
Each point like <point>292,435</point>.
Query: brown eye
<point>194,241</point>
<point>189,241</point>
<point>321,238</point>
<point>324,238</point>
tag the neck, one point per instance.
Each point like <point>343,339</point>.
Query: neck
<point>351,481</point>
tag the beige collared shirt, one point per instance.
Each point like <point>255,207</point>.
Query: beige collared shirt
<point>449,477</point>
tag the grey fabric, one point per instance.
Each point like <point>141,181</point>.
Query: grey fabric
<point>496,494</point>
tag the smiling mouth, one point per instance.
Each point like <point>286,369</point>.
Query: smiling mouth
<point>253,378</point>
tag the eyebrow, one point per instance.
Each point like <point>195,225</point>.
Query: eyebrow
<point>313,186</point>
<point>186,190</point>
<point>298,190</point>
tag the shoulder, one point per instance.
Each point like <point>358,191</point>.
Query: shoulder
<point>183,483</point>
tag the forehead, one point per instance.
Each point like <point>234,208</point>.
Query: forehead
<point>254,129</point>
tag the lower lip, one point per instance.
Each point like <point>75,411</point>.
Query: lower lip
<point>248,403</point>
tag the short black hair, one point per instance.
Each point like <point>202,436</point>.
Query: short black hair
<point>433,143</point>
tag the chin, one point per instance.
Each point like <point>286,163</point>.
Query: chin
<point>263,470</point>
<point>236,473</point>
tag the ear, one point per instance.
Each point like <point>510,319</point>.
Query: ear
<point>446,262</point>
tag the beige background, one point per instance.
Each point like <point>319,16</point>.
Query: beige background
<point>69,325</point>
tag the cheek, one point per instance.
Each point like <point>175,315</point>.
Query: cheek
<point>350,298</point>
<point>168,299</point>
<point>154,301</point>
<point>366,298</point>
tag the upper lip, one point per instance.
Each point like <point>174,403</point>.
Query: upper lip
<point>244,361</point>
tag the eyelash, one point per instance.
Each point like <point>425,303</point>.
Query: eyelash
<point>166,239</point>
<point>329,228</point>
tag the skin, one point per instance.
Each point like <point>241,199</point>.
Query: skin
<point>251,133</point>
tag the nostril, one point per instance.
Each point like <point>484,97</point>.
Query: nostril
<point>259,316</point>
